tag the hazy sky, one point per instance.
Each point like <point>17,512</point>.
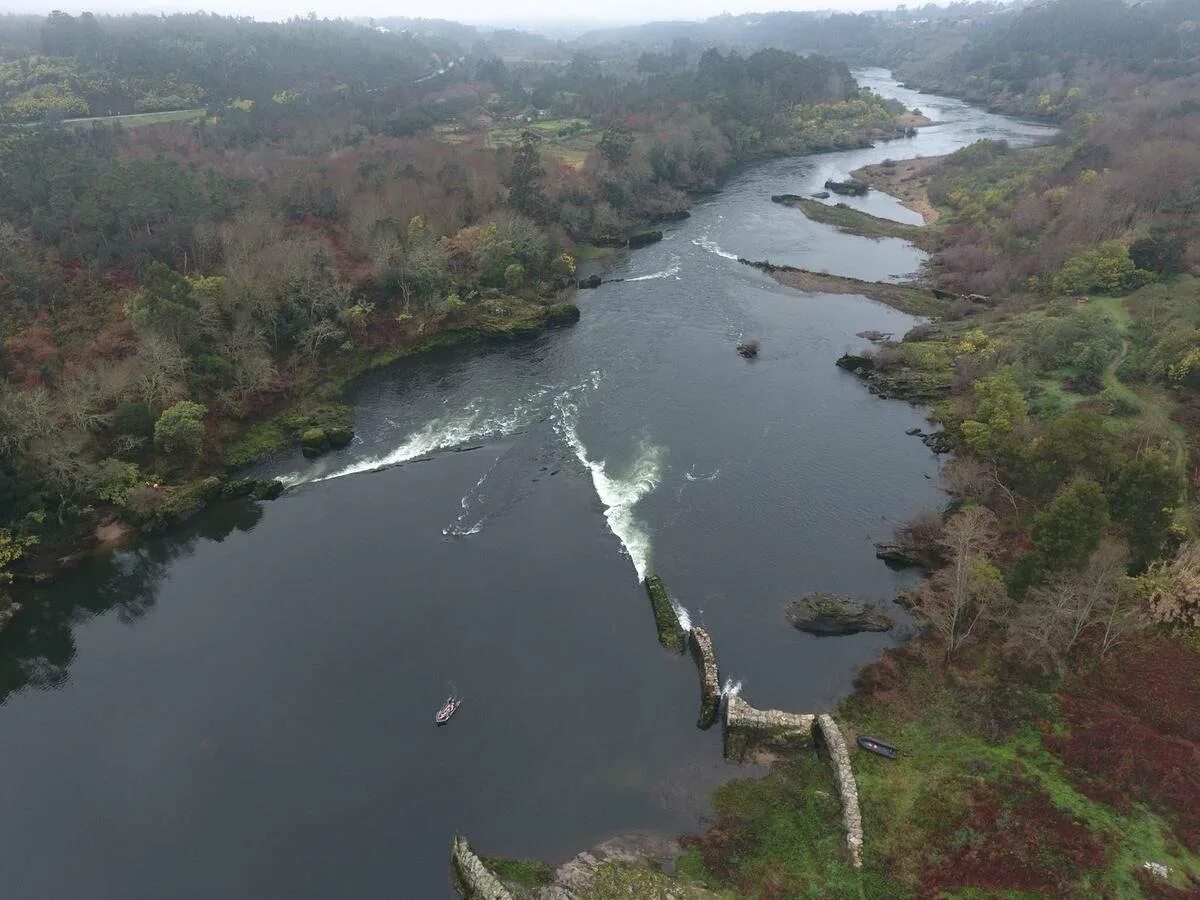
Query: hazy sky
<point>474,11</point>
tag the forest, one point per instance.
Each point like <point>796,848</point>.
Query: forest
<point>209,225</point>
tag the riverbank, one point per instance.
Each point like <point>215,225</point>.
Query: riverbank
<point>314,405</point>
<point>849,220</point>
<point>906,297</point>
<point>906,180</point>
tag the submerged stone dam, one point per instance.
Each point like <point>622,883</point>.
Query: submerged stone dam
<point>747,731</point>
<point>710,678</point>
<point>473,879</point>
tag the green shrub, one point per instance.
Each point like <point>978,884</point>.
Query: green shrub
<point>179,431</point>
<point>1107,268</point>
<point>114,480</point>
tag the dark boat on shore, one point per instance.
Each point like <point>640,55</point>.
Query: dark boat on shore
<point>877,746</point>
<point>449,708</point>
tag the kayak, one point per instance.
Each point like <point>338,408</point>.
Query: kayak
<point>449,708</point>
<point>877,746</point>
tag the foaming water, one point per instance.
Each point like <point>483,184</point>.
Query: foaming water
<point>672,272</point>
<point>620,492</point>
<point>712,246</point>
<point>692,475</point>
<point>471,423</point>
<point>471,499</point>
<point>730,688</point>
<point>682,614</point>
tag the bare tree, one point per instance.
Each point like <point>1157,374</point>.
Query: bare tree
<point>24,416</point>
<point>1049,624</point>
<point>322,332</point>
<point>81,400</point>
<point>253,370</point>
<point>161,370</point>
<point>973,479</point>
<point>963,593</point>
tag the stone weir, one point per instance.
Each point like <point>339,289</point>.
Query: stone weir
<point>835,743</point>
<point>670,633</point>
<point>475,881</point>
<point>710,678</point>
<point>748,729</point>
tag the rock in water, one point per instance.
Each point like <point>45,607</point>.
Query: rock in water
<point>748,349</point>
<point>830,615</point>
<point>851,187</point>
<point>644,238</point>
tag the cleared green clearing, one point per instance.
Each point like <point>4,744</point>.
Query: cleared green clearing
<point>559,128</point>
<point>137,120</point>
<point>565,140</point>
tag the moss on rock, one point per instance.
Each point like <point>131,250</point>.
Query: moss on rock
<point>670,634</point>
<point>339,437</point>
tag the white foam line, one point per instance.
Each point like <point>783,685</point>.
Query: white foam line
<point>665,273</point>
<point>619,494</point>
<point>712,247</point>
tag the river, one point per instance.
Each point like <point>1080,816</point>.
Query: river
<point>242,707</point>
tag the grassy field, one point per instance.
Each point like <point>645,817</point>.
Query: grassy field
<point>137,120</point>
<point>569,141</point>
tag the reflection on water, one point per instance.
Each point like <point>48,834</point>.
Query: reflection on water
<point>38,648</point>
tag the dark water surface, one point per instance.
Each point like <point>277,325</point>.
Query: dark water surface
<point>243,707</point>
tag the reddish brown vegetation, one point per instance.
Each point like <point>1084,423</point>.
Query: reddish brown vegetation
<point>1134,734</point>
<point>1011,837</point>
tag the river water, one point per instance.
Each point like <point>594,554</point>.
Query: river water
<point>242,708</point>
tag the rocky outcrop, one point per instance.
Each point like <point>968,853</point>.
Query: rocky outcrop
<point>828,615</point>
<point>592,281</point>
<point>750,731</point>
<point>898,556</point>
<point>835,743</point>
<point>921,388</point>
<point>876,337</point>
<point>748,349</point>
<point>254,488</point>
<point>644,239</point>
<point>710,678</point>
<point>670,634</point>
<point>855,362</point>
<point>474,881</point>
<point>850,188</point>
<point>317,440</point>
